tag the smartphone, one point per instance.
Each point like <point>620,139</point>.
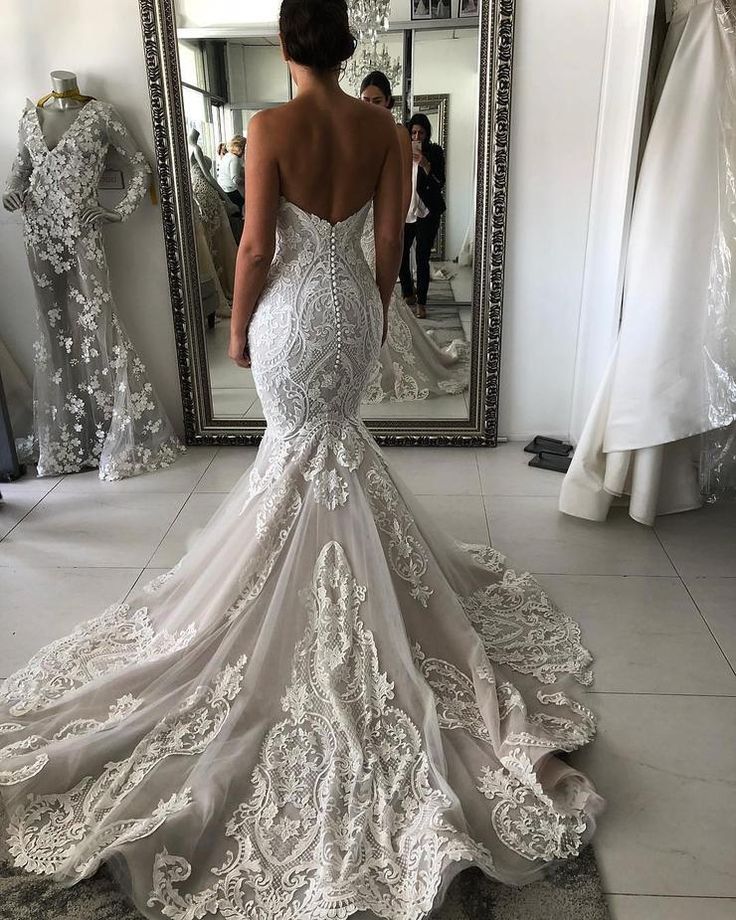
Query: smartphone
<point>416,146</point>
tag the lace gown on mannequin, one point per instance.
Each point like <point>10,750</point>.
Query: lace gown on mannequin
<point>326,707</point>
<point>219,236</point>
<point>411,366</point>
<point>93,402</point>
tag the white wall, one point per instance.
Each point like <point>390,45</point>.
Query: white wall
<point>101,43</point>
<point>193,13</point>
<point>450,65</point>
<point>558,63</point>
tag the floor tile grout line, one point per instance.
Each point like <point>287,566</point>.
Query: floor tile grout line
<point>703,897</point>
<point>708,627</point>
<point>715,696</point>
<point>32,508</point>
<point>697,605</point>
<point>483,501</point>
<point>176,516</point>
<point>178,513</point>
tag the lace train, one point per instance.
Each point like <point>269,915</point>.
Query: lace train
<point>334,712</point>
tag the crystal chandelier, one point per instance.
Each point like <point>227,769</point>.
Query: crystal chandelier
<point>368,18</point>
<point>371,57</point>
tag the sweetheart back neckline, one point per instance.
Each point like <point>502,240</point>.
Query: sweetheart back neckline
<point>325,220</point>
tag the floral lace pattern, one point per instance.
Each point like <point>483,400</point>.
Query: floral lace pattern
<point>411,366</point>
<point>407,554</point>
<point>342,748</point>
<point>119,710</point>
<point>94,405</point>
<point>521,627</point>
<point>39,833</point>
<point>524,817</point>
<point>387,731</point>
<point>104,645</point>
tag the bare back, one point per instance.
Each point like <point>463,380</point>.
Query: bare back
<point>329,152</point>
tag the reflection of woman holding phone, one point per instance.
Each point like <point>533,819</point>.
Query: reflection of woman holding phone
<point>430,182</point>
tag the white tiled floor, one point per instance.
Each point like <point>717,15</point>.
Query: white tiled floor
<point>657,607</point>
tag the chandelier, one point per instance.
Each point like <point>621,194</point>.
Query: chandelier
<point>368,18</point>
<point>371,57</point>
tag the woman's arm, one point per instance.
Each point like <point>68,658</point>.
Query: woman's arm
<point>434,164</point>
<point>389,215</point>
<point>258,242</point>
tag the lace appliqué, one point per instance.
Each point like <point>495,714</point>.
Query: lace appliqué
<point>100,646</point>
<point>44,831</point>
<point>455,696</point>
<point>342,816</point>
<point>524,817</point>
<point>120,710</point>
<point>407,555</point>
<point>278,511</point>
<point>521,627</point>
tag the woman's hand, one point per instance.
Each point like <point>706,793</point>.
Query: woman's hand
<point>13,201</point>
<point>95,212</point>
<point>238,350</point>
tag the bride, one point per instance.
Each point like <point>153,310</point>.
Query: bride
<point>337,710</point>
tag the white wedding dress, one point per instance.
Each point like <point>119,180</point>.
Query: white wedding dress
<point>410,366</point>
<point>326,707</point>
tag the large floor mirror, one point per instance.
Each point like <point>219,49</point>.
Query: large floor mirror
<point>211,69</point>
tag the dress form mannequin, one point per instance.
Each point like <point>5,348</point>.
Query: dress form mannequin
<point>55,118</point>
<point>197,155</point>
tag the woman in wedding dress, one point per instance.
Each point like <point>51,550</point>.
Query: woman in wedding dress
<point>410,365</point>
<point>339,709</point>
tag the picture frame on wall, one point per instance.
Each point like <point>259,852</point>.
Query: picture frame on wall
<point>441,9</point>
<point>421,9</point>
<point>468,9</point>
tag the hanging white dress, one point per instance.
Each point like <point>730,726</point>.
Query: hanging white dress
<point>657,395</point>
<point>327,706</point>
<point>94,405</point>
<point>411,366</point>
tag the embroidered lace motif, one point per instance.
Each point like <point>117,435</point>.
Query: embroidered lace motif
<point>106,644</point>
<point>526,819</point>
<point>120,710</point>
<point>342,816</point>
<point>40,832</point>
<point>521,627</point>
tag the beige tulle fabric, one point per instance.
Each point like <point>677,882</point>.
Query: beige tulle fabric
<point>326,707</point>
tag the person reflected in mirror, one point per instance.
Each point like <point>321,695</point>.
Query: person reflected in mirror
<point>231,172</point>
<point>430,159</point>
<point>411,366</point>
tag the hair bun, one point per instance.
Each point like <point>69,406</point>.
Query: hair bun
<point>316,33</point>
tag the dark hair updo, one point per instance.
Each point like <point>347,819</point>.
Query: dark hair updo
<point>316,33</point>
<point>380,81</point>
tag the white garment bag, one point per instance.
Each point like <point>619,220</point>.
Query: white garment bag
<point>664,386</point>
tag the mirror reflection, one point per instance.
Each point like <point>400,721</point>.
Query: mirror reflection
<point>428,77</point>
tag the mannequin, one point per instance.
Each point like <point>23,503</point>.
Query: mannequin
<point>57,112</point>
<point>198,156</point>
<point>94,405</point>
<point>214,206</point>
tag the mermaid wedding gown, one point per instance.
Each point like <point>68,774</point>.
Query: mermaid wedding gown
<point>335,711</point>
<point>410,366</point>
